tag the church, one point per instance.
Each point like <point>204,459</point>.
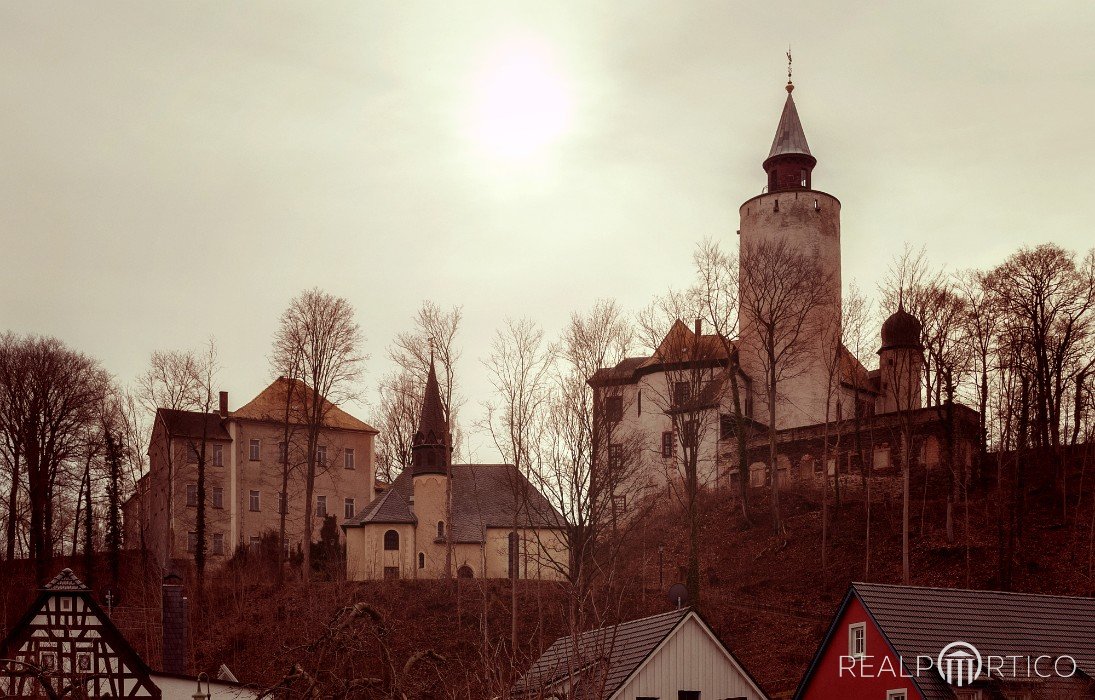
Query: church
<point>651,410</point>
<point>439,520</point>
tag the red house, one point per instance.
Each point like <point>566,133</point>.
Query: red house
<point>906,642</point>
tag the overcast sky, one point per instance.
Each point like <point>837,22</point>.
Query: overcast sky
<point>171,171</point>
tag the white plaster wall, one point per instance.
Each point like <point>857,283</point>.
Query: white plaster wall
<point>689,660</point>
<point>809,220</point>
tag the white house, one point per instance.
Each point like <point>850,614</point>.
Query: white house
<point>671,656</point>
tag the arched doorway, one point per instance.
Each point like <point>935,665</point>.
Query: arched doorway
<point>465,572</point>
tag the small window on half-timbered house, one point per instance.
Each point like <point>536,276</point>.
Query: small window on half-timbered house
<point>83,662</point>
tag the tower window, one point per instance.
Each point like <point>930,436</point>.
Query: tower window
<point>440,529</point>
<point>421,560</point>
<point>802,178</point>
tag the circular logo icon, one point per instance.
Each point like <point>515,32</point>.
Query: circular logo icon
<point>959,663</point>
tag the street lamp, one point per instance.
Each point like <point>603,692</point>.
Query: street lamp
<point>198,694</point>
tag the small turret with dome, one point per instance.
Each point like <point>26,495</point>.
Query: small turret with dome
<point>901,363</point>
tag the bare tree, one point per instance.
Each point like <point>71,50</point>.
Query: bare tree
<point>692,368</point>
<point>518,367</point>
<point>185,381</point>
<point>60,392</point>
<point>397,420</point>
<point>716,291</point>
<point>318,330</point>
<point>784,297</point>
<point>576,430</point>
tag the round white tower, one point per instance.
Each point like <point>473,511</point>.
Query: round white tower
<point>808,222</point>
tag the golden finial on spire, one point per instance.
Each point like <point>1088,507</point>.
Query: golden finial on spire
<point>790,85</point>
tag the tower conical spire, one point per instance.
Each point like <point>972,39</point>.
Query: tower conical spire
<point>789,164</point>
<point>430,445</point>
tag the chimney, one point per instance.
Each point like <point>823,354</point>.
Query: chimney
<point>174,624</point>
<point>224,404</point>
<point>699,327</point>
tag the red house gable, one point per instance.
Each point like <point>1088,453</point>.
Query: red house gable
<point>856,661</point>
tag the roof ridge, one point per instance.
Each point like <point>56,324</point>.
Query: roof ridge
<point>978,591</point>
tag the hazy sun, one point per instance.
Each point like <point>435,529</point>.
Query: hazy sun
<point>521,103</point>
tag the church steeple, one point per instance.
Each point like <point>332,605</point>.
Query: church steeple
<point>430,448</point>
<point>789,164</point>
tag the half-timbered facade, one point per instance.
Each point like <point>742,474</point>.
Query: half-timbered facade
<point>65,642</point>
<point>66,646</point>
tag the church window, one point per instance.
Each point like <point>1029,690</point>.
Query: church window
<point>440,529</point>
<point>421,560</point>
<point>391,541</point>
<point>614,409</point>
<point>513,545</point>
<point>667,444</point>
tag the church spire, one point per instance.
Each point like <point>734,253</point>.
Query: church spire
<point>789,164</point>
<point>430,445</point>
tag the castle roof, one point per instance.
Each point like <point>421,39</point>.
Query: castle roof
<point>789,139</point>
<point>901,330</point>
<point>269,405</point>
<point>193,424</point>
<point>483,496</point>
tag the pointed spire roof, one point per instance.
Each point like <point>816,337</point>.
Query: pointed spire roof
<point>790,139</point>
<point>432,421</point>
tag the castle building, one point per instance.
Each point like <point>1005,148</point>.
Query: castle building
<point>652,409</point>
<point>439,519</point>
<point>244,452</point>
